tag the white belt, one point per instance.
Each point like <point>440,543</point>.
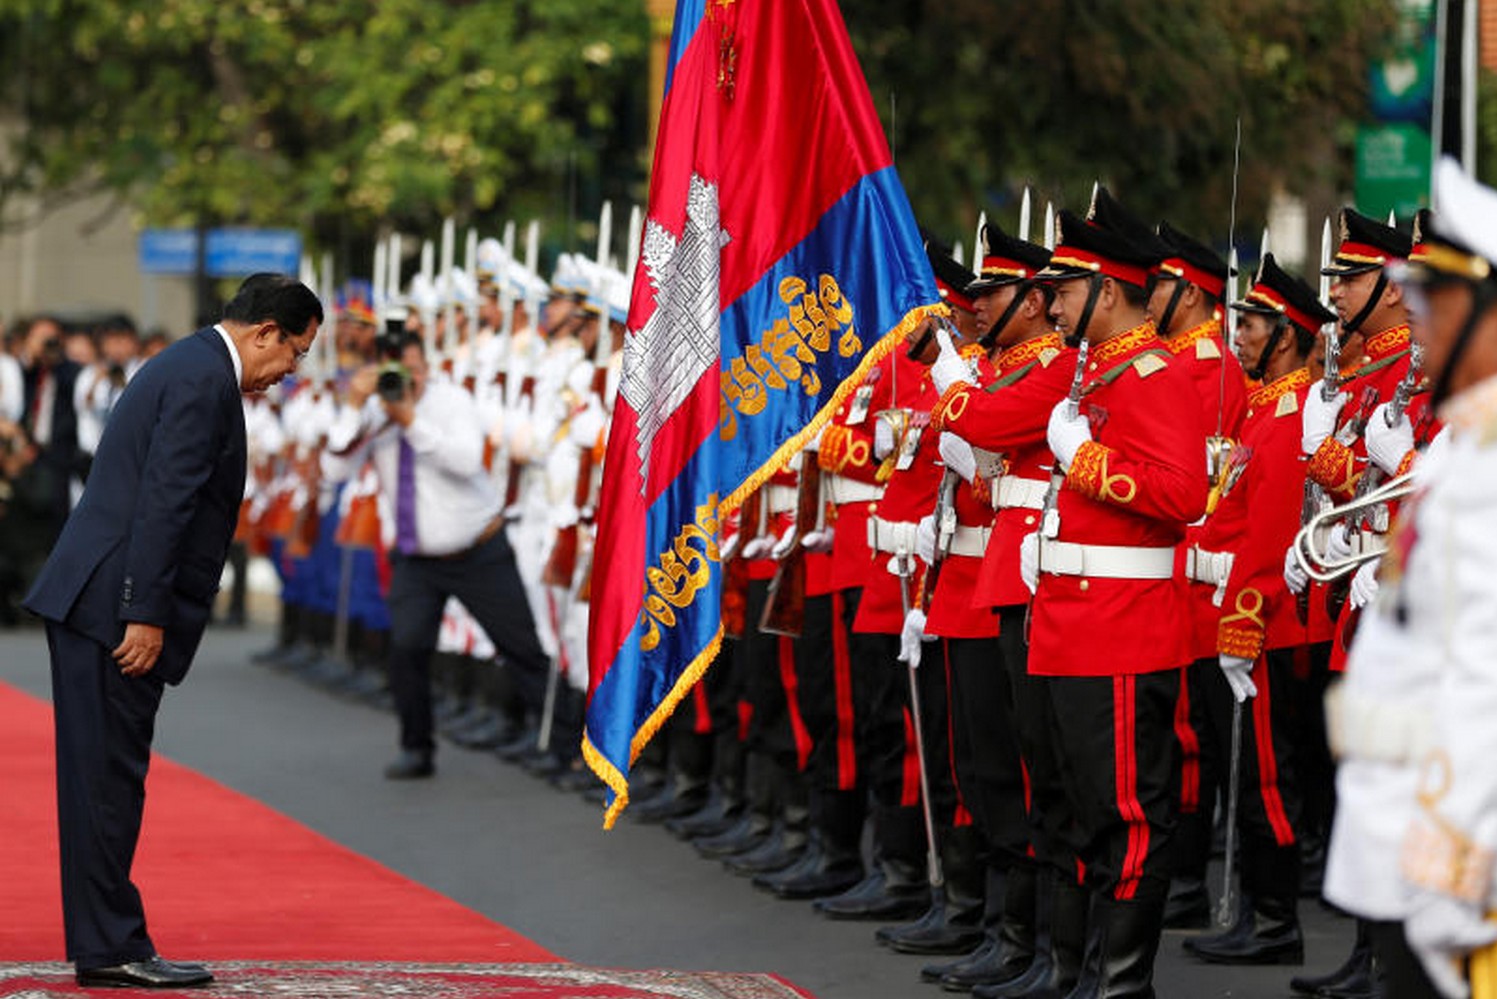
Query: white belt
<point>970,541</point>
<point>1106,561</point>
<point>1208,567</point>
<point>1376,729</point>
<point>781,499</point>
<point>891,536</point>
<point>1026,493</point>
<point>845,490</point>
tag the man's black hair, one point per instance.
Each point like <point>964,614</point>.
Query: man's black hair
<point>278,298</point>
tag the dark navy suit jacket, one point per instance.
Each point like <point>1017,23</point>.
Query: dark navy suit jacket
<point>147,541</point>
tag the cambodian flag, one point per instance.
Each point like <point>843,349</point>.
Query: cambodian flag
<point>780,258</point>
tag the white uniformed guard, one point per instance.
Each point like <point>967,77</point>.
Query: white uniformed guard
<point>1416,826</point>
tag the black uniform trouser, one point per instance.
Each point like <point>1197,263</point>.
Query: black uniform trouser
<point>1046,806</point>
<point>485,580</point>
<point>1315,767</point>
<point>1269,797</point>
<point>105,722</point>
<point>766,668</point>
<point>1120,765</point>
<point>1202,764</point>
<point>985,746</point>
<point>823,667</point>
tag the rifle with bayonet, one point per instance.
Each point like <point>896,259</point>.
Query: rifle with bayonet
<point>735,566</point>
<point>785,605</point>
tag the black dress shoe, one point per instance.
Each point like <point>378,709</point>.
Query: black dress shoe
<point>151,973</point>
<point>1266,932</point>
<point>715,816</point>
<point>875,898</point>
<point>409,765</point>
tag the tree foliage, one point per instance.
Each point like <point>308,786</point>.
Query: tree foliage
<point>344,116</point>
<point>1142,96</point>
<point>338,115</point>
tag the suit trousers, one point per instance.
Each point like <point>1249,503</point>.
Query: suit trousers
<point>485,580</point>
<point>105,722</point>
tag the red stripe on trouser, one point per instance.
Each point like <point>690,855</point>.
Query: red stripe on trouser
<point>745,719</point>
<point>1125,775</point>
<point>701,722</point>
<point>1268,764</point>
<point>962,816</point>
<point>1190,749</point>
<point>909,788</point>
<point>847,750</point>
<point>791,683</point>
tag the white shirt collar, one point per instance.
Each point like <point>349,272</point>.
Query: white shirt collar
<point>233,355</point>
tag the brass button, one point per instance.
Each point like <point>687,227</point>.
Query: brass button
<point>1029,519</point>
<point>1085,585</point>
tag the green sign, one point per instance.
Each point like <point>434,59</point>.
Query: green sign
<point>1393,164</point>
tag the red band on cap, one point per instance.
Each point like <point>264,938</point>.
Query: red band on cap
<point>1262,294</point>
<point>995,266</point>
<point>953,297</point>
<point>1211,284</point>
<point>1363,253</point>
<point>1075,256</point>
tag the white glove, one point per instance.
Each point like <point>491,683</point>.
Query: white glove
<point>1238,672</point>
<point>1319,419</point>
<point>1364,585</point>
<point>814,444</point>
<point>956,454</point>
<point>925,539</point>
<point>783,545</point>
<point>1029,561</point>
<point>883,439</point>
<point>1294,576</point>
<point>1387,445</point>
<point>948,368</point>
<point>1441,931</point>
<point>1338,543</point>
<point>519,436</point>
<point>818,541</point>
<point>1067,433</point>
<point>912,636</point>
<point>563,515</point>
<point>757,548</point>
<point>588,424</point>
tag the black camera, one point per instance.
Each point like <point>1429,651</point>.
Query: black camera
<point>391,340</point>
<point>392,382</point>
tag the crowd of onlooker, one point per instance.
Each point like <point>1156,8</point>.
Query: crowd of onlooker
<point>59,378</point>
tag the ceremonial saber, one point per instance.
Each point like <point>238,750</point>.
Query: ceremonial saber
<point>935,875</point>
<point>1226,911</point>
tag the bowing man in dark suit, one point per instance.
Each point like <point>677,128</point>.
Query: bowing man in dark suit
<point>126,594</point>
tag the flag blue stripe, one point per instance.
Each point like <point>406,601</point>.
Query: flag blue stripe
<point>689,14</point>
<point>869,243</point>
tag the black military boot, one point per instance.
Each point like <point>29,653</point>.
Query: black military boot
<point>758,817</point>
<point>899,885</point>
<point>834,862</point>
<point>725,802</point>
<point>1266,930</point>
<point>1062,907</point>
<point>285,640</point>
<point>1122,939</point>
<point>1355,979</point>
<point>687,787</point>
<point>1010,925</point>
<point>955,925</point>
<point>790,837</point>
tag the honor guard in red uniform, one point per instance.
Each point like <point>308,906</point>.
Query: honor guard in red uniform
<point>910,460</point>
<point>1261,641</point>
<point>993,433</point>
<point>1186,304</point>
<point>1109,621</point>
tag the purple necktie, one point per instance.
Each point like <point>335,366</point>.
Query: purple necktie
<point>405,500</point>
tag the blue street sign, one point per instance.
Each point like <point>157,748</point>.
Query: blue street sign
<point>168,251</point>
<point>241,252</point>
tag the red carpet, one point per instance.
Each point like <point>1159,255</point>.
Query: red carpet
<point>223,876</point>
<point>428,981</point>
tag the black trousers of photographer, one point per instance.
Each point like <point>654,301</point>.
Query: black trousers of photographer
<point>484,578</point>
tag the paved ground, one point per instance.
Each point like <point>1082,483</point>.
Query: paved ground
<point>499,841</point>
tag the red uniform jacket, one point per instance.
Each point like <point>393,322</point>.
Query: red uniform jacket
<point>1337,466</point>
<point>909,496</point>
<point>1009,416</point>
<point>1138,483</point>
<point>847,450</point>
<point>1223,396</point>
<point>1259,612</point>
